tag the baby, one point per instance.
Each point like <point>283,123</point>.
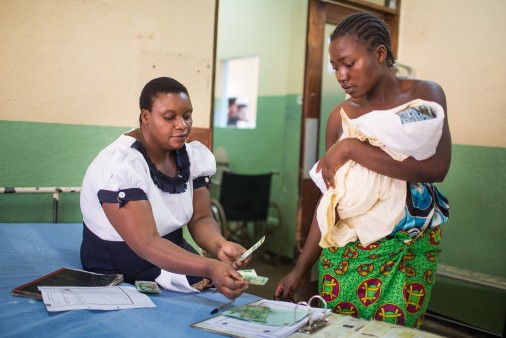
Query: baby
<point>370,205</point>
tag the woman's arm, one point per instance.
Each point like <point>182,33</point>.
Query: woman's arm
<point>206,231</point>
<point>286,287</point>
<point>136,225</point>
<point>433,169</point>
<point>203,227</point>
<point>311,250</point>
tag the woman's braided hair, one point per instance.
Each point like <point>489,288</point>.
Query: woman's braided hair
<point>368,28</point>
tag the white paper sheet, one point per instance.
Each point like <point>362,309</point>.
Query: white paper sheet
<point>93,298</point>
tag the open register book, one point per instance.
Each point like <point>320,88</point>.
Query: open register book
<point>263,318</point>
<point>66,277</point>
<point>296,323</point>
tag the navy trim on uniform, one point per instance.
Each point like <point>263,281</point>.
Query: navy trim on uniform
<point>200,182</point>
<point>172,185</point>
<point>121,196</point>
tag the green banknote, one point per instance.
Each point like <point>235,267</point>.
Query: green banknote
<point>251,276</point>
<point>248,252</point>
<point>266,314</point>
<point>147,286</point>
<point>255,313</point>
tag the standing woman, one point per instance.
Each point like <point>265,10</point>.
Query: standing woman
<point>391,279</point>
<point>143,188</point>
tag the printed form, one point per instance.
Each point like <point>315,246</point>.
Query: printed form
<point>64,298</point>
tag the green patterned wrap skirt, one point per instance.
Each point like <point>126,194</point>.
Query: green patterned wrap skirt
<point>390,280</point>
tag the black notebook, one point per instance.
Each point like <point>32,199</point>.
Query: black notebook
<point>67,277</point>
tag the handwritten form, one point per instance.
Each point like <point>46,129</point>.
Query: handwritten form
<point>93,298</point>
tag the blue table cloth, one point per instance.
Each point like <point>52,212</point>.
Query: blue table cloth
<point>28,251</point>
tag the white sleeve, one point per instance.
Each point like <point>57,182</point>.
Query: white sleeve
<point>124,170</point>
<point>202,161</point>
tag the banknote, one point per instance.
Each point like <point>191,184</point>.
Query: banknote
<point>248,252</point>
<point>147,286</point>
<point>250,272</point>
<point>255,280</point>
<point>255,313</point>
<point>251,276</point>
<point>273,315</point>
<point>251,313</point>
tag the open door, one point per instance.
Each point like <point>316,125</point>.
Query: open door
<point>322,16</point>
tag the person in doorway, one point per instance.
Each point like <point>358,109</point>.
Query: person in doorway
<point>366,270</point>
<point>141,190</point>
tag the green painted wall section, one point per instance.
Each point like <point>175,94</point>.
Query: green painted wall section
<point>474,305</point>
<point>473,238</point>
<point>46,155</point>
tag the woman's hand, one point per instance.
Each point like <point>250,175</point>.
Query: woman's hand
<point>227,280</point>
<point>335,157</point>
<point>287,286</point>
<point>230,252</point>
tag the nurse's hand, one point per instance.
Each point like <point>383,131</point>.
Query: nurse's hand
<point>231,252</point>
<point>227,280</point>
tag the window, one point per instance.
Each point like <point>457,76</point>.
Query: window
<point>236,93</point>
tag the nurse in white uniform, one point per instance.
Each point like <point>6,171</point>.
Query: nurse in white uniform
<point>143,188</point>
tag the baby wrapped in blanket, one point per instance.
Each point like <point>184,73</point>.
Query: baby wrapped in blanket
<point>370,205</point>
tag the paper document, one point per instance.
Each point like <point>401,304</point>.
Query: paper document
<point>272,319</point>
<point>346,326</point>
<point>93,298</point>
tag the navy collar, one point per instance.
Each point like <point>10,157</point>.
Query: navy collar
<point>172,185</point>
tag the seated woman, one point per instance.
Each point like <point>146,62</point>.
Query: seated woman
<point>143,188</point>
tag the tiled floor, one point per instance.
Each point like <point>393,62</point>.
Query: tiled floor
<point>276,269</point>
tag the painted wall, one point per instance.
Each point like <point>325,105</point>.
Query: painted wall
<point>85,62</point>
<point>465,54</point>
<point>70,81</point>
<point>49,155</point>
<point>460,45</point>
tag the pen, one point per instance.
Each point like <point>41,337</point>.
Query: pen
<point>222,306</point>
